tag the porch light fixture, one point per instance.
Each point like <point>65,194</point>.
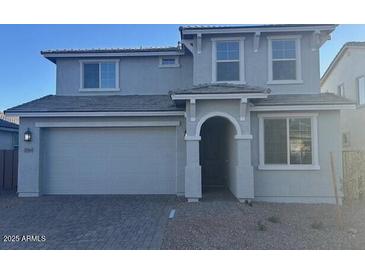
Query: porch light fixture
<point>28,135</point>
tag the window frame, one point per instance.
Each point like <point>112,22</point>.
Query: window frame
<point>297,39</point>
<point>176,65</point>
<point>358,90</point>
<point>341,90</point>
<point>99,61</point>
<point>241,59</point>
<point>288,166</point>
<point>346,139</point>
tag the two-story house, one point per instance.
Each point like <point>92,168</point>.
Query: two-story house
<point>233,106</point>
<point>345,76</point>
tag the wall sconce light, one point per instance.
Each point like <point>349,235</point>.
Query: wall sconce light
<point>28,135</point>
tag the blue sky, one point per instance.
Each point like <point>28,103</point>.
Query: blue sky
<point>25,75</point>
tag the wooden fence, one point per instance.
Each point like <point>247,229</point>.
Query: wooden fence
<point>8,170</point>
<point>353,174</point>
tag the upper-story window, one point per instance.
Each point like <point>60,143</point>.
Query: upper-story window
<point>341,90</point>
<point>228,60</point>
<point>361,90</point>
<point>99,75</point>
<point>284,60</point>
<point>169,62</point>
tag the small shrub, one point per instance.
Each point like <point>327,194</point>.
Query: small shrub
<point>274,219</point>
<point>261,226</point>
<point>317,225</point>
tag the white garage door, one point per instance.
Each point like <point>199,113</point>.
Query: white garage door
<point>109,160</point>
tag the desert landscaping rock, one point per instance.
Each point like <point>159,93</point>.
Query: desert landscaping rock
<point>142,222</point>
<point>233,225</point>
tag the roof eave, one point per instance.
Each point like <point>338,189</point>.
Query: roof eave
<point>218,96</point>
<point>304,107</point>
<point>218,30</point>
<point>53,55</point>
<point>8,129</point>
<point>96,113</point>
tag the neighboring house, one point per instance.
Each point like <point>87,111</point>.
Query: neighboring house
<point>235,106</point>
<point>345,76</point>
<point>11,119</point>
<point>8,135</point>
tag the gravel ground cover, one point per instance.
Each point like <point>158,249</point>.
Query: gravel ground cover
<point>141,222</point>
<point>225,223</point>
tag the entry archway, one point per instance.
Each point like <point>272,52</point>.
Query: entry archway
<point>218,114</point>
<point>217,155</point>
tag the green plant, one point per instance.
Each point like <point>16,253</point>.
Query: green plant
<point>261,226</point>
<point>317,225</point>
<point>274,219</point>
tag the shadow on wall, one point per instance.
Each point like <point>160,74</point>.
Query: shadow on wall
<point>217,154</point>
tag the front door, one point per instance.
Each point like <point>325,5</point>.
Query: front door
<point>214,153</point>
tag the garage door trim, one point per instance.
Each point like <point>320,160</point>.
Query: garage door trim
<point>108,124</point>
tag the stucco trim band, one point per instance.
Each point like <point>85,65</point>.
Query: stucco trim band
<point>108,124</point>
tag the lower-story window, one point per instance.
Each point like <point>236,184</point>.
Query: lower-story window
<point>288,141</point>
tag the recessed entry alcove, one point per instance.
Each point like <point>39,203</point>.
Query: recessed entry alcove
<point>217,156</point>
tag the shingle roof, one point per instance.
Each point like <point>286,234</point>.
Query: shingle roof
<point>113,50</point>
<point>114,103</point>
<point>221,89</point>
<point>6,124</point>
<point>302,99</point>
<point>146,103</point>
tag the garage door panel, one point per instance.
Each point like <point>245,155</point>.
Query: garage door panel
<point>109,161</point>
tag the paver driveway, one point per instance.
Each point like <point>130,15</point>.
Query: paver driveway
<point>85,222</point>
<point>219,221</point>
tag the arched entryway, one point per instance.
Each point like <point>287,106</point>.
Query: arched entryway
<point>217,156</point>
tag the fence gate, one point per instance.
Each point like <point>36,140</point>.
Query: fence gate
<point>354,174</point>
<point>8,170</point>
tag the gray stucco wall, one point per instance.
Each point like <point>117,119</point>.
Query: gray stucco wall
<point>301,186</point>
<point>309,186</point>
<point>204,107</point>
<point>349,68</point>
<point>7,139</point>
<point>232,151</point>
<point>142,75</point>
<point>352,124</point>
<point>138,75</point>
<point>256,64</point>
<point>275,186</point>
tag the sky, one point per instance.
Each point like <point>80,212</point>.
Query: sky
<point>25,75</point>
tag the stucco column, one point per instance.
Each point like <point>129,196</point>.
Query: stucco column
<point>193,186</point>
<point>244,186</point>
<point>29,163</point>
